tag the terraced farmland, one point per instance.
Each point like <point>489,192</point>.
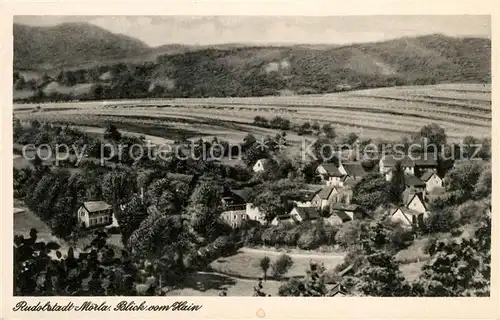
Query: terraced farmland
<point>387,113</point>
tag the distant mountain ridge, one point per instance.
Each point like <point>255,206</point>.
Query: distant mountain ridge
<point>99,57</point>
<point>70,44</point>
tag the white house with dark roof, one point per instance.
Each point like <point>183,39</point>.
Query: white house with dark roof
<point>330,173</point>
<point>410,164</point>
<point>297,215</point>
<point>413,212</point>
<point>324,197</point>
<point>347,212</point>
<point>341,174</point>
<point>95,213</point>
<point>234,209</point>
<point>432,180</point>
<point>354,170</point>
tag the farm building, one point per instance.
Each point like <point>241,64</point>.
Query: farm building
<point>410,164</point>
<point>297,215</point>
<point>348,212</point>
<point>407,217</point>
<point>432,180</point>
<point>324,197</point>
<point>95,213</point>
<point>306,195</point>
<point>413,212</point>
<point>285,219</point>
<point>354,170</point>
<point>414,184</point>
<point>330,174</point>
<point>340,175</point>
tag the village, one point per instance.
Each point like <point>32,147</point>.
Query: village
<point>272,213</point>
<point>330,201</point>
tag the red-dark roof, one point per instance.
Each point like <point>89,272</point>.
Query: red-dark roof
<point>354,169</point>
<point>325,193</point>
<point>412,181</point>
<point>331,169</point>
<point>427,175</point>
<point>345,207</point>
<point>307,213</point>
<point>96,206</point>
<point>408,197</point>
<point>422,160</point>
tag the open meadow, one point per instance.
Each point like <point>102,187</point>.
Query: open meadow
<point>385,113</point>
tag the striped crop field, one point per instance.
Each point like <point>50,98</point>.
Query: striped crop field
<point>382,113</point>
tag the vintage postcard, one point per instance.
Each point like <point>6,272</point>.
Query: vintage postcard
<point>183,160</point>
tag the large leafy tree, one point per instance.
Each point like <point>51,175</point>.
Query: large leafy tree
<point>118,185</point>
<point>463,179</point>
<point>205,206</point>
<point>372,191</point>
<point>275,197</point>
<point>40,269</point>
<point>434,134</point>
<point>130,218</point>
<point>458,268</point>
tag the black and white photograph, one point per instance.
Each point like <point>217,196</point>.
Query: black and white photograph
<point>251,156</point>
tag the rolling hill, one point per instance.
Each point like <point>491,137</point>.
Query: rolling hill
<point>70,44</point>
<point>134,70</point>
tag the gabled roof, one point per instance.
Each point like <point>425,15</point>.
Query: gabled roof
<point>331,169</point>
<point>351,182</point>
<point>391,160</point>
<point>345,207</point>
<point>410,212</point>
<point>412,181</point>
<point>243,193</point>
<point>304,195</point>
<point>354,169</point>
<point>427,175</point>
<point>229,197</point>
<point>307,213</point>
<point>325,193</point>
<point>426,159</point>
<point>408,198</point>
<point>95,206</point>
<point>342,215</point>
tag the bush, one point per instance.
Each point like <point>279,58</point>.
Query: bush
<point>281,265</point>
<point>440,221</point>
<point>348,234</point>
<point>400,238</point>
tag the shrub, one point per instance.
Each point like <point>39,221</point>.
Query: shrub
<point>281,265</point>
<point>400,238</point>
<point>440,221</point>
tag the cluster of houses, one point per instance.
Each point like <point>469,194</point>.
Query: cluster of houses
<point>331,200</point>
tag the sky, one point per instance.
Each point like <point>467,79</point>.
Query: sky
<point>203,30</point>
